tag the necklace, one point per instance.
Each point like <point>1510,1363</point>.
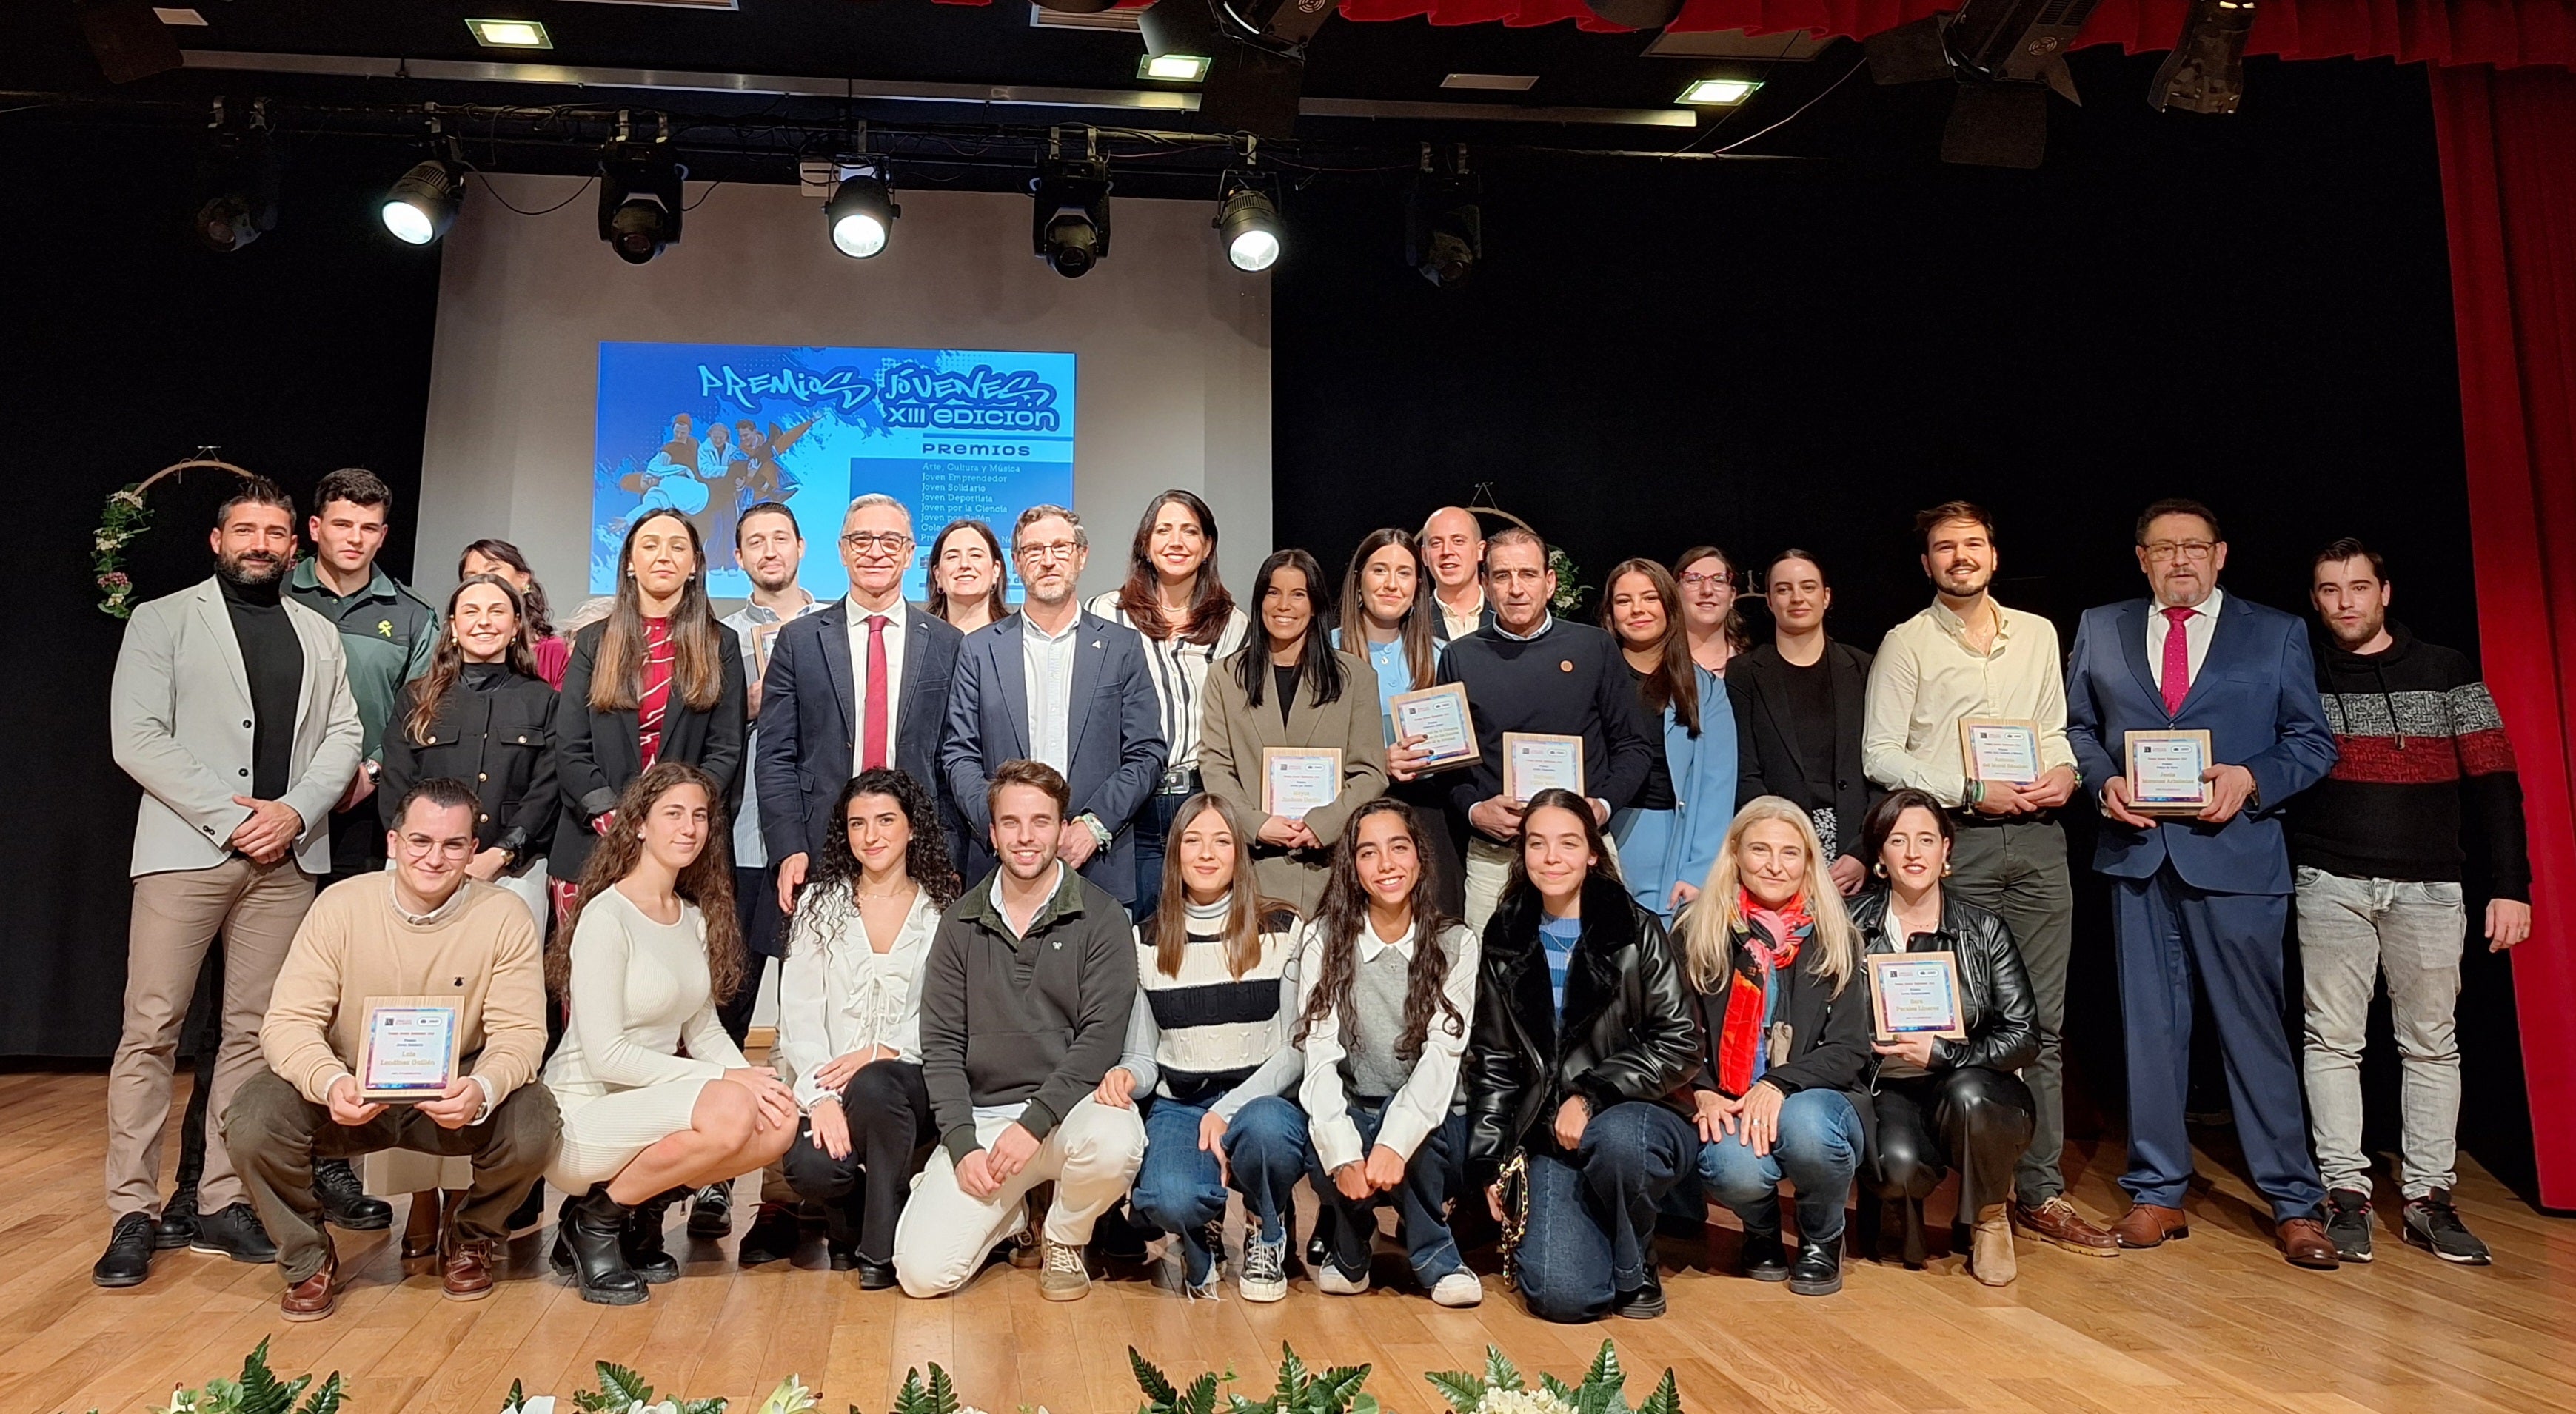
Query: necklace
<point>866,897</point>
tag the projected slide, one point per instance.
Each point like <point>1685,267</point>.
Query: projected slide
<point>708,429</point>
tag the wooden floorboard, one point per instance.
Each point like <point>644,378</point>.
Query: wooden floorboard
<point>2216,1322</point>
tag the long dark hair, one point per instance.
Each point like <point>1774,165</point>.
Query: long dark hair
<point>447,659</point>
<point>532,607</point>
<point>1344,912</point>
<point>1210,604</point>
<point>697,646</point>
<point>1319,669</point>
<point>707,882</point>
<point>1674,682</point>
<point>831,896</point>
<point>1421,646</point>
<point>998,601</point>
<point>1605,865</point>
<point>1738,638</point>
<point>1246,907</point>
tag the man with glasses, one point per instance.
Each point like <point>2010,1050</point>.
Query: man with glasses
<point>1054,684</point>
<point>2200,899</point>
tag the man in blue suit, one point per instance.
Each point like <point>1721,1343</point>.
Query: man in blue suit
<point>2202,898</point>
<point>1054,684</point>
<point>859,684</point>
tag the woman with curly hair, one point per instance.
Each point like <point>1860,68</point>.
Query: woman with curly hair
<point>651,947</point>
<point>849,1014</point>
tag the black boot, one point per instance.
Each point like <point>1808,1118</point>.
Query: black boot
<point>346,1204</point>
<point>588,1241</point>
<point>711,1212</point>
<point>235,1232</point>
<point>1765,1259</point>
<point>1644,1303</point>
<point>642,1244</point>
<point>1819,1270</point>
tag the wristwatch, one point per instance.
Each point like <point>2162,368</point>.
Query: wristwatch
<point>1099,832</point>
<point>1975,793</point>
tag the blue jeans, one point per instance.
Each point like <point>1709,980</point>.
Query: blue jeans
<point>1153,825</point>
<point>1178,1189</point>
<point>1421,1201</point>
<point>1591,1226</point>
<point>1818,1149</point>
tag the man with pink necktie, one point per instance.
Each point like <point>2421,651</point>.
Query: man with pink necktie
<point>2199,900</point>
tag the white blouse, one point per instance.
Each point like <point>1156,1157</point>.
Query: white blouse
<point>836,994</point>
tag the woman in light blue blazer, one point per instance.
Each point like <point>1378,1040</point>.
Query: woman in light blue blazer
<point>1668,837</point>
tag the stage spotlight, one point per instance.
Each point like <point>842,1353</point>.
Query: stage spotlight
<point>2205,73</point>
<point>1070,225</point>
<point>861,213</point>
<point>639,194</point>
<point>1247,221</point>
<point>2005,55</point>
<point>237,174</point>
<point>1444,224</point>
<point>422,205</point>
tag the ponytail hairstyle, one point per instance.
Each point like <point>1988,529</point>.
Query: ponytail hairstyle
<point>533,609</point>
<point>1345,911</point>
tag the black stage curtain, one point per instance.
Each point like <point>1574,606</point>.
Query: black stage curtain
<point>127,345</point>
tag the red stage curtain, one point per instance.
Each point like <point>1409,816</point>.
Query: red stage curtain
<point>2508,146</point>
<point>2504,33</point>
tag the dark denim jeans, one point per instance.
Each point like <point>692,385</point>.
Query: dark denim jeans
<point>1421,1201</point>
<point>1591,1230</point>
<point>1178,1190</point>
<point>1818,1150</point>
<point>1153,826</point>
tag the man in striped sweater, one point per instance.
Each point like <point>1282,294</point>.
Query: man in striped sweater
<point>2378,845</point>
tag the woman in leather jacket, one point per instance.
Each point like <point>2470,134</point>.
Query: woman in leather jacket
<point>1582,1029</point>
<point>1944,1103</point>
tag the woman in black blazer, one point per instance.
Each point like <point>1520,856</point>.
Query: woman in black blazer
<point>1798,711</point>
<point>657,680</point>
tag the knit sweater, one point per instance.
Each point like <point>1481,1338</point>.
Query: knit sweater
<point>1203,1036</point>
<point>1569,680</point>
<point>2418,736</point>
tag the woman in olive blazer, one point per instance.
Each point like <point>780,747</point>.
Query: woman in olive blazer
<point>1289,687</point>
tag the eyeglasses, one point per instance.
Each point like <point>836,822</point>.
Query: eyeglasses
<point>1052,550</point>
<point>1695,579</point>
<point>2180,549</point>
<point>422,847</point>
<point>893,542</point>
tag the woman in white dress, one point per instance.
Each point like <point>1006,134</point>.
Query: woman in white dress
<point>849,1015</point>
<point>650,949</point>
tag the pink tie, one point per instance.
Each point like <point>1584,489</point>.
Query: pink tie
<point>2177,676</point>
<point>872,717</point>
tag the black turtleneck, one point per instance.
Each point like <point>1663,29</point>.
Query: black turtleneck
<point>274,662</point>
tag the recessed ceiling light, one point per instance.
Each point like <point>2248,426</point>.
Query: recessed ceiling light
<point>510,34</point>
<point>1513,83</point>
<point>177,15</point>
<point>1720,92</point>
<point>1173,68</point>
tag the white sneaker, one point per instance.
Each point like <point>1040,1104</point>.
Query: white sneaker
<point>1330,1281</point>
<point>1459,1288</point>
<point>1264,1273</point>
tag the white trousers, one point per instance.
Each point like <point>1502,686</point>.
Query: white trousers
<point>945,1232</point>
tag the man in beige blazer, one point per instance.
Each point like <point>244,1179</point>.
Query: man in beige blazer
<point>231,709</point>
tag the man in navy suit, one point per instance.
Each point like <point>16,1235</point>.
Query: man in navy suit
<point>861,684</point>
<point>1054,684</point>
<point>2202,898</point>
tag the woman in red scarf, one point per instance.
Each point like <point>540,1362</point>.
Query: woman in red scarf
<point>1785,1040</point>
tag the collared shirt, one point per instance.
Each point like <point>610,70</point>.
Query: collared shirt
<point>1047,660</point>
<point>1462,622</point>
<point>1423,1104</point>
<point>386,634</point>
<point>1002,910</point>
<point>1546,621</point>
<point>1927,677</point>
<point>1180,670</point>
<point>748,851</point>
<point>2198,629</point>
<point>894,629</point>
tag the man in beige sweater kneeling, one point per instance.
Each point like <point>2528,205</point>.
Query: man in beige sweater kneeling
<point>426,935</point>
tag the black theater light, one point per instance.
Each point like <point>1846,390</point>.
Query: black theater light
<point>1444,221</point>
<point>2205,73</point>
<point>1247,221</point>
<point>422,204</point>
<point>860,215</point>
<point>1069,224</point>
<point>237,182</point>
<point>639,193</point>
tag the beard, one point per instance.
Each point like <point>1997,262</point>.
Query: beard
<point>252,567</point>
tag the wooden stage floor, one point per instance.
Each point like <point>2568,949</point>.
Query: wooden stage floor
<point>2215,1322</point>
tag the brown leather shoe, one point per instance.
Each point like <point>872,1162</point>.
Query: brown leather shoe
<point>318,1295</point>
<point>2057,1222</point>
<point>2148,1225</point>
<point>2304,1242</point>
<point>466,1271</point>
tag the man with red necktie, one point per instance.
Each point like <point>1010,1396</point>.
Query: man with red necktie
<point>2199,900</point>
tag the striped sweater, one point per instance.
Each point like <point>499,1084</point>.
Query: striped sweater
<point>1206,1037</point>
<point>2422,754</point>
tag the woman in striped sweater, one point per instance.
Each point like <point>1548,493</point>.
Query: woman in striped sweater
<point>1208,1055</point>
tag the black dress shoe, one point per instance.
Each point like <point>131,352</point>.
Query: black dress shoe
<point>594,1226</point>
<point>772,1237</point>
<point>1819,1271</point>
<point>711,1213</point>
<point>875,1276</point>
<point>128,1259</point>
<point>642,1243</point>
<point>842,1258</point>
<point>1643,1304</point>
<point>346,1204</point>
<point>235,1232</point>
<point>1765,1259</point>
<point>178,1220</point>
<point>531,1209</point>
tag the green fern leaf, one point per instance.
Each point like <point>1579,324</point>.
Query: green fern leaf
<point>1237,1404</point>
<point>911,1398</point>
<point>1605,1369</point>
<point>1667,1398</point>
<point>1463,1390</point>
<point>623,1385</point>
<point>1292,1380</point>
<point>943,1391</point>
<point>1499,1372</point>
<point>1335,1389</point>
<point>1159,1393</point>
<point>261,1391</point>
<point>517,1400</point>
<point>326,1400</point>
<point>1201,1397</point>
<point>1559,1388</point>
<point>1364,1403</point>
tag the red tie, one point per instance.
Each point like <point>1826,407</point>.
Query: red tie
<point>2177,677</point>
<point>872,719</point>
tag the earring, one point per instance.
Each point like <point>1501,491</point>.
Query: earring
<point>1879,869</point>
<point>1945,871</point>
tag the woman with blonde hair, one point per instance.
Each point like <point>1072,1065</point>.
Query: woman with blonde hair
<point>1772,961</point>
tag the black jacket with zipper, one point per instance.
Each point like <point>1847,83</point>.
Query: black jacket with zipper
<point>1626,1032</point>
<point>1829,1032</point>
<point>496,735</point>
<point>1995,1003</point>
